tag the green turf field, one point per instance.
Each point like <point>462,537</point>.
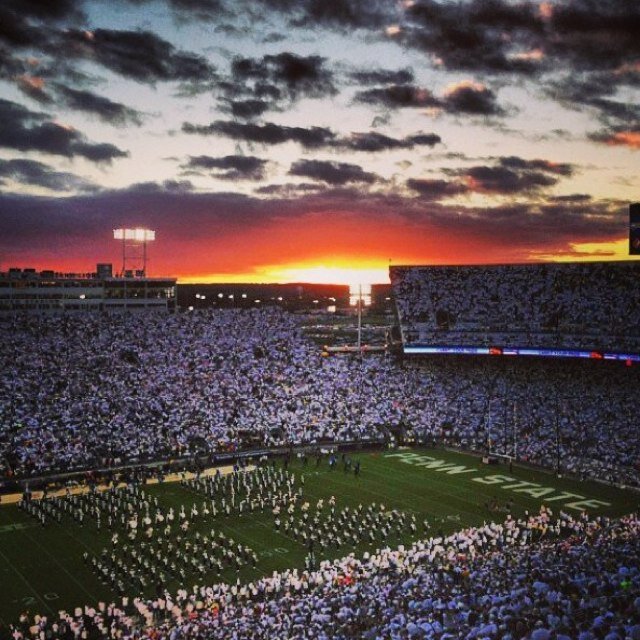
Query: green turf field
<point>42,569</point>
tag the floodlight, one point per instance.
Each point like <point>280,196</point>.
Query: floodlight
<point>134,248</point>
<point>134,235</point>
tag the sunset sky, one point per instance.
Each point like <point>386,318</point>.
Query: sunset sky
<point>276,140</point>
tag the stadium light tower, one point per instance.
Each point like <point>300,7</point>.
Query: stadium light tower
<point>134,249</point>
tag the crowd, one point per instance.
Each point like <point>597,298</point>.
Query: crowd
<point>536,578</point>
<point>582,305</point>
<point>577,417</point>
<point>90,391</point>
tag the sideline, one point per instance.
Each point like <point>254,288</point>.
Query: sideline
<point>13,498</point>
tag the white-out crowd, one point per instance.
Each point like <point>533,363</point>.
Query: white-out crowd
<point>580,305</point>
<point>88,391</point>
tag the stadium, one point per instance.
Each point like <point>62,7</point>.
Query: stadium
<point>319,319</point>
<point>472,472</point>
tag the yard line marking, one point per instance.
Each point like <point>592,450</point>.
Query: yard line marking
<point>61,565</point>
<point>439,491</point>
<point>10,528</point>
<point>29,585</point>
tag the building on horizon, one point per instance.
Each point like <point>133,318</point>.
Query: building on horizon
<point>26,290</point>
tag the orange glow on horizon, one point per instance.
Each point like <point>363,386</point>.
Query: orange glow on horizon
<point>592,252</point>
<point>334,272</point>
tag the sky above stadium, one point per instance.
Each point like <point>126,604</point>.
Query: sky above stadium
<point>270,140</point>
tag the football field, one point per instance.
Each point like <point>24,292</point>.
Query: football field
<point>69,564</point>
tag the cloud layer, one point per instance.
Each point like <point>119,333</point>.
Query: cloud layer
<point>467,129</point>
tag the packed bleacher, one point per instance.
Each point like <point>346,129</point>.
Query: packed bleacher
<point>89,391</point>
<point>537,578</point>
<point>80,390</point>
<point>577,305</point>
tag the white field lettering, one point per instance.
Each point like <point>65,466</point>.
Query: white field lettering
<point>569,500</point>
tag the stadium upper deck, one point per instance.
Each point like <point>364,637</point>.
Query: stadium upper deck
<point>560,306</point>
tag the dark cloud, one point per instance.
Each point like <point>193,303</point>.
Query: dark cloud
<point>28,223</point>
<point>48,9</point>
<point>208,10</point>
<point>167,186</point>
<point>268,133</point>
<point>273,82</point>
<point>107,110</point>
<point>598,92</point>
<point>512,175</point>
<point>334,173</point>
<point>290,189</point>
<point>471,36</point>
<point>15,30</point>
<point>230,167</point>
<point>341,15</point>
<point>419,139</point>
<point>294,76</point>
<point>521,228</point>
<point>10,65</point>
<point>557,168</point>
<point>397,96</point>
<point>38,174</point>
<point>594,35</point>
<point>25,23</point>
<point>619,136</point>
<point>434,190</point>
<point>248,109</point>
<point>463,98</point>
<point>311,138</point>
<point>501,180</point>
<point>597,89</point>
<point>26,130</point>
<point>523,37</point>
<point>98,152</point>
<point>373,141</point>
<point>34,88</point>
<point>382,76</point>
<point>200,10</point>
<point>140,55</point>
<point>273,37</point>
<point>473,99</point>
<point>573,197</point>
